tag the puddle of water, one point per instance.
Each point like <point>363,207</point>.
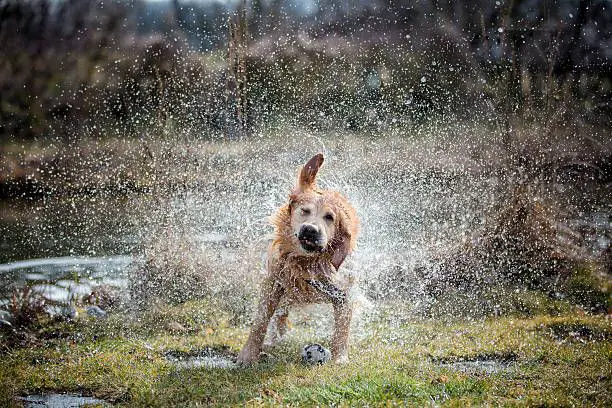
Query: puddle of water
<point>207,358</point>
<point>479,366</point>
<point>61,401</point>
<point>483,364</point>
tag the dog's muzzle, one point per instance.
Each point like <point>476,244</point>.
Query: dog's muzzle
<point>310,238</point>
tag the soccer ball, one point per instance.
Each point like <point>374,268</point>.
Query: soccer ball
<point>315,354</point>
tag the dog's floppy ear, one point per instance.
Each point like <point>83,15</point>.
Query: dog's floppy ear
<point>341,244</point>
<point>308,174</point>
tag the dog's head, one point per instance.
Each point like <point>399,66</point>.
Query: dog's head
<point>322,221</point>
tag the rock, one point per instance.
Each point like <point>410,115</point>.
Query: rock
<point>69,312</point>
<point>95,311</point>
<point>62,312</point>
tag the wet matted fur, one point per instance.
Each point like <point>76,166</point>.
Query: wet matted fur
<point>314,233</point>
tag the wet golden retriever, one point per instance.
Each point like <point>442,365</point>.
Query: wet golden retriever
<point>314,232</point>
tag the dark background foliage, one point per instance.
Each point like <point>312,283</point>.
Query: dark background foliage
<point>87,67</point>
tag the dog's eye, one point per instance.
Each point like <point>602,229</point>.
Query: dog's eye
<point>329,217</point>
<point>305,211</point>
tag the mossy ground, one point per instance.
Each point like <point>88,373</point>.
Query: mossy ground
<point>562,360</point>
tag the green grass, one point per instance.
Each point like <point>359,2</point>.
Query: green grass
<point>553,361</point>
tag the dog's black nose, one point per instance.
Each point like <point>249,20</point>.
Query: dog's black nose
<point>310,237</point>
<point>309,233</point>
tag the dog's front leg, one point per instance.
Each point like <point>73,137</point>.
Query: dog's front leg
<point>342,324</point>
<point>271,296</point>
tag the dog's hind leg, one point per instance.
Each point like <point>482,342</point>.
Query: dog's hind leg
<point>270,298</point>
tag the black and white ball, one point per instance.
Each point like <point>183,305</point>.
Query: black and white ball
<point>315,354</point>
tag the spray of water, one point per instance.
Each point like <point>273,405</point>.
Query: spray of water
<point>449,227</point>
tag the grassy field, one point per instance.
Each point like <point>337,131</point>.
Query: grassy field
<point>417,193</point>
<point>553,354</point>
<point>542,360</point>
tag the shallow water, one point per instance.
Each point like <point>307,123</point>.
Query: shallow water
<point>58,226</point>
